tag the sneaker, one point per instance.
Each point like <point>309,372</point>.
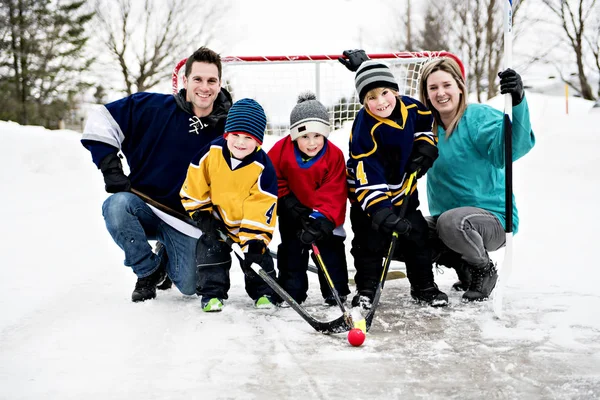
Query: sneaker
<point>464,277</point>
<point>330,300</point>
<point>211,304</point>
<point>264,302</point>
<point>483,282</point>
<point>145,288</point>
<point>364,300</point>
<point>430,294</point>
<point>167,283</point>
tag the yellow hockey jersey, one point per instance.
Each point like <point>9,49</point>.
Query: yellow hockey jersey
<point>244,197</point>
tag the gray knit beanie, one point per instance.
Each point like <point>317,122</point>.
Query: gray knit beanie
<point>309,115</point>
<point>373,74</point>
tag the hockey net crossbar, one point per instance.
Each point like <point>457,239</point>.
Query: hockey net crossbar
<point>276,81</point>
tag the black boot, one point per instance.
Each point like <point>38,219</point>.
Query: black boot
<point>145,288</point>
<point>363,299</point>
<point>167,283</point>
<point>430,294</point>
<point>464,277</point>
<point>483,282</point>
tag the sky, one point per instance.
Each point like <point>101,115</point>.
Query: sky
<point>68,329</point>
<point>267,27</point>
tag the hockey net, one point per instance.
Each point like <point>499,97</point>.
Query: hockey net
<point>276,81</point>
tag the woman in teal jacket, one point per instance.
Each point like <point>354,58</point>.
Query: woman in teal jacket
<point>465,185</point>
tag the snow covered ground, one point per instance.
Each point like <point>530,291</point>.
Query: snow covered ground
<point>68,329</point>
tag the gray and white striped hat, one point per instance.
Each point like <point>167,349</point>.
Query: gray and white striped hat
<point>373,74</point>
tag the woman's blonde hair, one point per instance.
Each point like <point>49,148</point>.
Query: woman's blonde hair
<point>377,92</point>
<point>450,66</point>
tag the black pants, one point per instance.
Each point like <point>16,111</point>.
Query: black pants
<point>213,262</point>
<point>369,247</point>
<point>292,262</point>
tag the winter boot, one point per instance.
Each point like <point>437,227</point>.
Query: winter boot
<point>363,299</point>
<point>158,249</point>
<point>145,288</point>
<point>483,282</point>
<point>264,302</point>
<point>430,294</point>
<point>211,304</point>
<point>464,277</point>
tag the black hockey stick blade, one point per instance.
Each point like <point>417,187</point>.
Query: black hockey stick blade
<point>338,325</point>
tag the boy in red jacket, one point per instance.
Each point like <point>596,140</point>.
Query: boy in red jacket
<point>312,190</point>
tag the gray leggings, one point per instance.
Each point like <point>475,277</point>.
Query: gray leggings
<point>470,232</point>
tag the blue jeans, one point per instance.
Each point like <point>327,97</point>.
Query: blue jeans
<point>131,223</point>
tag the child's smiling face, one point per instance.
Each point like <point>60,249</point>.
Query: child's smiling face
<point>240,144</point>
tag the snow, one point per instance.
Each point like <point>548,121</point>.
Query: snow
<point>68,329</point>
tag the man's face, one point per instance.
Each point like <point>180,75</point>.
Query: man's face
<point>202,86</point>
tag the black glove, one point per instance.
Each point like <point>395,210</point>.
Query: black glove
<point>315,229</point>
<point>355,58</point>
<point>254,253</point>
<point>290,204</point>
<point>385,221</point>
<point>207,223</point>
<point>115,180</point>
<point>511,82</point>
<point>421,158</point>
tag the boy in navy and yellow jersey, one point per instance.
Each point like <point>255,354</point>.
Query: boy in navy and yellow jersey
<point>312,201</point>
<point>391,137</point>
<point>231,186</point>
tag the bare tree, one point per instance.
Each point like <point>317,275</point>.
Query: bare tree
<point>433,36</point>
<point>476,36</point>
<point>147,41</point>
<point>402,39</point>
<point>573,15</point>
<point>592,38</point>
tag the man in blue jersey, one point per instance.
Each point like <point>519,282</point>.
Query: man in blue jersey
<point>158,134</point>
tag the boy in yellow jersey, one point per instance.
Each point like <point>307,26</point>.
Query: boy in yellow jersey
<point>231,186</point>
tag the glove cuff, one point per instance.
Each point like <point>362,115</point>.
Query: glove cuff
<point>255,247</point>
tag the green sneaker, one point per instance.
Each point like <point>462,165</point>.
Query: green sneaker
<point>212,305</point>
<point>264,302</point>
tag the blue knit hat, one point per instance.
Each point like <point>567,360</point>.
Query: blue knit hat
<point>247,116</point>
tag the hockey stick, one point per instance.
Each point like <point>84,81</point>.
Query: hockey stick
<point>360,324</point>
<point>388,258</point>
<point>391,275</point>
<point>336,326</point>
<point>508,254</point>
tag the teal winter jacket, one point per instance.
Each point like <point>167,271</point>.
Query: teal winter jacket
<point>470,169</point>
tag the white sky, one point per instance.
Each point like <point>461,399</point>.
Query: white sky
<point>68,329</point>
<point>267,27</point>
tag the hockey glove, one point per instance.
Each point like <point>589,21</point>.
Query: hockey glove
<point>315,229</point>
<point>355,59</point>
<point>115,180</point>
<point>421,158</point>
<point>207,223</point>
<point>385,221</point>
<point>291,205</point>
<point>253,253</point>
<point>511,82</point>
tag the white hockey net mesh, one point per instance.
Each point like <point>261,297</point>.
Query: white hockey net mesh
<point>275,82</point>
